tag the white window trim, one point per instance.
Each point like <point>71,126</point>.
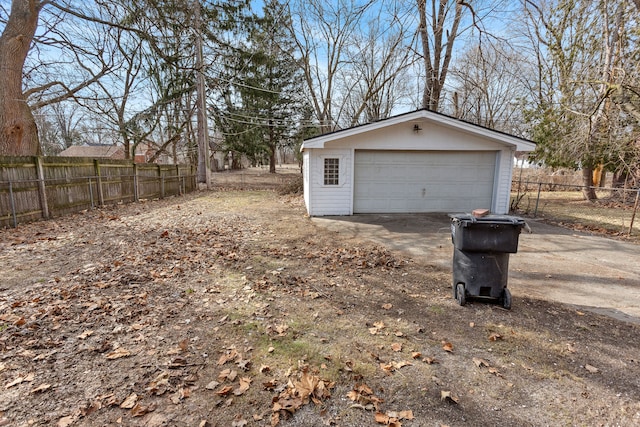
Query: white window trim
<point>342,169</point>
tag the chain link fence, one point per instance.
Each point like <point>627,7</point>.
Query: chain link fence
<point>614,211</point>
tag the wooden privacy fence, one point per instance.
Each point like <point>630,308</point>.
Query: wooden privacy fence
<point>32,188</point>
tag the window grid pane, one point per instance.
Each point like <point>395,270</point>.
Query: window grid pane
<point>331,171</point>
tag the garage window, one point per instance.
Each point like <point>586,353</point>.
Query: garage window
<point>331,171</point>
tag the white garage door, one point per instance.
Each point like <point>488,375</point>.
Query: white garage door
<point>423,181</point>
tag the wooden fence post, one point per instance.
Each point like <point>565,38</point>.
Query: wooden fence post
<point>96,165</point>
<point>136,195</point>
<point>13,205</point>
<point>178,180</point>
<point>161,179</point>
<point>42,188</point>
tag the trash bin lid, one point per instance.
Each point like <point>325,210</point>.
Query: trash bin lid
<point>466,219</point>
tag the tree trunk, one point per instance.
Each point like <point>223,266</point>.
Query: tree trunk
<point>18,131</point>
<point>437,54</point>
<point>588,191</point>
<point>272,148</point>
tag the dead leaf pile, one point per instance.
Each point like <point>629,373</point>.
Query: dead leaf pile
<point>307,388</point>
<point>357,257</point>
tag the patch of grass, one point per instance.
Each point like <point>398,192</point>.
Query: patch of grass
<point>437,309</point>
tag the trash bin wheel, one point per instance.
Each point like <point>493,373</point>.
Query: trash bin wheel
<point>506,299</point>
<point>460,294</point>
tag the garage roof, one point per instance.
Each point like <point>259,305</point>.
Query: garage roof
<point>423,116</point>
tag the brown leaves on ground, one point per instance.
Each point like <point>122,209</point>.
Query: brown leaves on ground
<point>393,418</point>
<point>448,396</point>
<point>161,306</point>
<point>306,388</point>
<point>364,397</point>
<point>481,363</point>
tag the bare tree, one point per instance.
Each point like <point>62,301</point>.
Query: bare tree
<point>437,43</point>
<point>324,33</point>
<point>582,68</point>
<point>23,90</point>
<point>18,132</point>
<point>488,87</point>
<point>377,80</point>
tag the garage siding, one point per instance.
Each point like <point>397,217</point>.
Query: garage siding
<point>330,199</point>
<point>423,181</point>
<point>502,195</point>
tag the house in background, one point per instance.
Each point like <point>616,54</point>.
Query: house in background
<point>420,161</point>
<point>94,151</point>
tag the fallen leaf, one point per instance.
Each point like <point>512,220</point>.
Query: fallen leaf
<point>118,353</point>
<point>387,367</point>
<point>40,388</point>
<point>270,385</point>
<point>160,384</point>
<point>245,382</point>
<point>224,390</point>
<point>405,415</point>
<point>495,337</point>
<point>140,410</point>
<point>28,378</point>
<point>227,357</point>
<point>591,369</point>
<point>396,347</point>
<point>212,385</point>
<point>180,394</point>
<point>447,346</point>
<point>494,371</point>
<point>429,360</point>
<point>129,402</point>
<point>387,306</point>
<point>227,374</point>
<point>85,335</point>
<point>480,362</point>
<point>90,408</point>
<point>448,396</point>
<point>382,418</point>
<point>177,362</point>
<point>401,364</point>
<point>416,354</point>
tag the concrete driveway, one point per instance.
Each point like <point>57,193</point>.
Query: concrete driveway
<point>552,263</point>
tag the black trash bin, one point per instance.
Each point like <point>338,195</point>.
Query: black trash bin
<point>481,248</point>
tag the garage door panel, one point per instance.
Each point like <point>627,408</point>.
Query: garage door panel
<point>388,182</point>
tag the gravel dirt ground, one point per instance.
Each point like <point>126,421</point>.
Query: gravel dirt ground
<point>235,309</point>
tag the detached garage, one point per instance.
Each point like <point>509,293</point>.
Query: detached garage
<point>415,162</point>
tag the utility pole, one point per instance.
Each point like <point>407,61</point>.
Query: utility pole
<point>204,165</point>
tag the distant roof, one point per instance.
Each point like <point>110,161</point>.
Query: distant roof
<point>108,151</point>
